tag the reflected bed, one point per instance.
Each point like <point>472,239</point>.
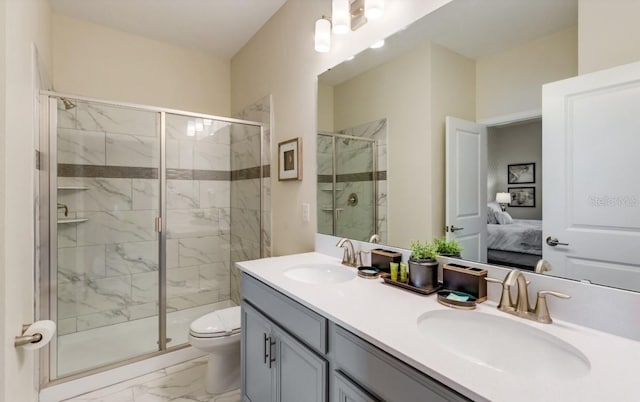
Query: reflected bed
<point>518,244</point>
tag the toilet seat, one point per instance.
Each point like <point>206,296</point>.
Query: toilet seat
<point>217,324</point>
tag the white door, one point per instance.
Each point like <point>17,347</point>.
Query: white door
<point>591,168</point>
<point>466,187</point>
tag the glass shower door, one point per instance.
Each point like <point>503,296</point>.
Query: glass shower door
<point>355,203</point>
<point>197,222</point>
<point>107,194</point>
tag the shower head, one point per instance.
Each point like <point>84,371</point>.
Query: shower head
<point>67,104</point>
<point>346,141</point>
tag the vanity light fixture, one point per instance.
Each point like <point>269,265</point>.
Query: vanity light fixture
<point>503,199</point>
<point>199,125</point>
<point>323,35</point>
<point>346,15</point>
<point>373,9</point>
<point>340,16</point>
<point>191,129</point>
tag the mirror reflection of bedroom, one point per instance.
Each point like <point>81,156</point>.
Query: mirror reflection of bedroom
<point>514,192</point>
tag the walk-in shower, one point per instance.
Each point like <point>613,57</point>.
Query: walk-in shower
<point>347,186</point>
<point>158,204</point>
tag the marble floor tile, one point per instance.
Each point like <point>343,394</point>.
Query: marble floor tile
<point>183,382</point>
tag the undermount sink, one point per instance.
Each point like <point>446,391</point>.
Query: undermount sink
<point>503,344</point>
<point>320,274</point>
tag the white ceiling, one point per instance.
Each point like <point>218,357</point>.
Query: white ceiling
<point>219,27</point>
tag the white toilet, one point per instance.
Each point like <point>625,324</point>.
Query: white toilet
<point>218,334</point>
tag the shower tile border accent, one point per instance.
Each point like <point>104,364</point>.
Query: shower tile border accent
<point>117,172</point>
<point>349,177</point>
<point>128,172</point>
<point>198,174</point>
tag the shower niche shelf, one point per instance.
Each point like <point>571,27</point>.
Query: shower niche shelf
<point>73,188</point>
<point>74,220</point>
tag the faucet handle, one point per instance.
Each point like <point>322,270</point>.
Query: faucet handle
<point>505,299</point>
<point>542,310</point>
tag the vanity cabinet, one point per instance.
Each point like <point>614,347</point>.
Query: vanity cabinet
<point>345,390</point>
<point>276,366</point>
<point>288,351</point>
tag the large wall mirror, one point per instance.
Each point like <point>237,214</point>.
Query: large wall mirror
<point>439,133</point>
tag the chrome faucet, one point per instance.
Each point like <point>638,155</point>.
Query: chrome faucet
<point>521,307</point>
<point>349,257</point>
<point>374,238</point>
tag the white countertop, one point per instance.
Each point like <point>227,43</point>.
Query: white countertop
<point>386,316</point>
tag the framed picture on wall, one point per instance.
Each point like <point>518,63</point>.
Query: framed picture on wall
<point>290,160</point>
<point>521,173</point>
<point>522,196</point>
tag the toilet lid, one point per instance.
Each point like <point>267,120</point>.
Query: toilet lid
<point>218,323</point>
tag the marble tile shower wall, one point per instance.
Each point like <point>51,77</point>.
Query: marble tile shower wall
<point>354,157</point>
<point>325,190</point>
<point>250,210</point>
<point>108,265</point>
<point>378,131</point>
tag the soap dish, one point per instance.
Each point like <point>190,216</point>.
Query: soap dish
<point>368,272</point>
<point>463,305</point>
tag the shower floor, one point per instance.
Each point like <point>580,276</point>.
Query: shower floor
<point>85,350</point>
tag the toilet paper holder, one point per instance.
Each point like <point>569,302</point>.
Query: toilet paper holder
<point>26,339</point>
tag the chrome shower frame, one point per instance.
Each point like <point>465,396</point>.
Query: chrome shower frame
<point>47,266</point>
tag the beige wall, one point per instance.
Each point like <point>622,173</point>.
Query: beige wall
<point>325,108</point>
<point>280,60</point>
<point>520,143</point>
<point>104,63</point>
<point>26,23</point>
<point>385,92</point>
<point>511,81</point>
<point>452,93</point>
<point>609,33</point>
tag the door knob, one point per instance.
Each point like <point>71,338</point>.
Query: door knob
<point>552,241</point>
<point>455,229</point>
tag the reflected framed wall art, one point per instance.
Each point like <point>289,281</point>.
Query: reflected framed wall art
<point>290,160</point>
<point>522,173</point>
<point>522,197</point>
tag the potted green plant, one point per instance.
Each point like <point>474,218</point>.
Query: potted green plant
<point>448,248</point>
<point>423,266</point>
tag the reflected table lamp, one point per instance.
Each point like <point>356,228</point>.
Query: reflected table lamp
<point>503,199</point>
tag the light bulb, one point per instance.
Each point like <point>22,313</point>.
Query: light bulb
<point>323,36</point>
<point>340,16</point>
<point>377,44</point>
<point>199,125</point>
<point>373,9</point>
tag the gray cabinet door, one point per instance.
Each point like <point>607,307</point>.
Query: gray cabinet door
<point>301,375</point>
<point>344,390</point>
<point>257,378</point>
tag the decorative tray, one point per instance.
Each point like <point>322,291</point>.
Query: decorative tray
<point>387,280</point>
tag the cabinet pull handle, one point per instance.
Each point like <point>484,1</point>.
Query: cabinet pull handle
<point>266,351</point>
<point>272,359</point>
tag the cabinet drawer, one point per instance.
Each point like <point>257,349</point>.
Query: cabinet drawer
<point>306,325</point>
<point>382,374</point>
